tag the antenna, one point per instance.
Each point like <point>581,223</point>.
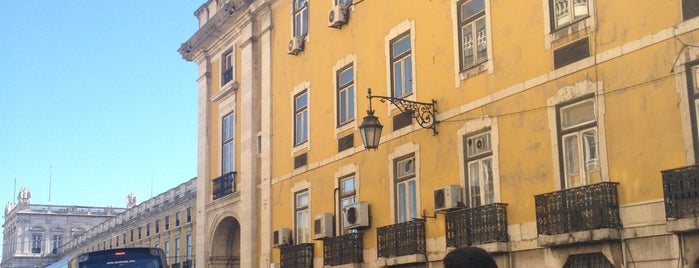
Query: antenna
<point>14,191</point>
<point>50,175</point>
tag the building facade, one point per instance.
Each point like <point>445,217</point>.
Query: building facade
<point>165,221</point>
<point>552,133</point>
<point>33,234</point>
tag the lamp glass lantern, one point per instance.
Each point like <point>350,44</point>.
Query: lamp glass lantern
<point>371,130</point>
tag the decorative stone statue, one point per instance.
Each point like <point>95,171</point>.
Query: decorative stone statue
<point>131,200</point>
<point>9,207</point>
<point>24,196</point>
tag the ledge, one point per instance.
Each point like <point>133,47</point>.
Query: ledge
<point>349,265</point>
<point>588,236</point>
<point>407,259</point>
<point>682,225</point>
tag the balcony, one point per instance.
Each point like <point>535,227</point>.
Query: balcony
<point>478,226</point>
<point>402,242</point>
<point>583,214</point>
<point>344,249</point>
<point>681,192</point>
<point>187,264</point>
<point>297,256</point>
<point>175,265</point>
<point>224,185</point>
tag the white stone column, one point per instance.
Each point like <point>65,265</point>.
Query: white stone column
<point>200,238</point>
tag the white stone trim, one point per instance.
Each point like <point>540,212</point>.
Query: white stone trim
<point>350,59</point>
<point>305,85</point>
<point>401,28</point>
<point>398,152</point>
<point>468,128</point>
<point>688,54</point>
<point>572,92</point>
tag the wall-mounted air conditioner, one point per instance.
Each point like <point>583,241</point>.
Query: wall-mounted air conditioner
<point>447,197</point>
<point>295,45</point>
<point>323,226</point>
<point>337,16</point>
<point>356,216</point>
<point>282,237</point>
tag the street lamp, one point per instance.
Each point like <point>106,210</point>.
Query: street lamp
<point>424,113</point>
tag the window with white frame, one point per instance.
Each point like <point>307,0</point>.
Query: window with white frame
<point>480,184</point>
<point>188,250</point>
<point>228,143</point>
<point>566,12</point>
<point>348,196</point>
<point>472,32</point>
<point>301,118</point>
<point>343,2</point>
<point>167,249</point>
<point>300,10</point>
<point>401,66</point>
<point>227,67</point>
<point>302,217</point>
<point>177,218</point>
<point>177,250</point>
<point>406,188</point>
<point>345,95</point>
<point>579,146</point>
<point>693,96</point>
<point>189,214</point>
<point>57,241</point>
<point>36,243</point>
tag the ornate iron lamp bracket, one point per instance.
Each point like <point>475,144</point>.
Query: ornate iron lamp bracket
<point>424,113</point>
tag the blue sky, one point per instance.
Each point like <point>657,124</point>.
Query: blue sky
<point>95,98</point>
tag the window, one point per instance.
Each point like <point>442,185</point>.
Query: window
<point>227,67</point>
<point>157,226</point>
<point>301,118</point>
<point>57,241</point>
<point>188,249</point>
<point>147,229</point>
<point>693,95</point>
<point>303,233</point>
<point>345,95</point>
<point>189,214</point>
<point>131,238</point>
<point>401,66</point>
<point>566,12</point>
<point>116,238</point>
<point>36,243</point>
<point>406,188</point>
<point>177,250</point>
<point>348,195</point>
<point>139,232</point>
<point>480,186</point>
<point>177,219</point>
<point>167,250</point>
<point>300,17</point>
<point>343,2</point>
<point>578,137</point>
<point>473,38</point>
<point>167,222</point>
<point>228,146</point>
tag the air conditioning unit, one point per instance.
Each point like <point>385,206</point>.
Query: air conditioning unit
<point>447,197</point>
<point>337,16</point>
<point>295,45</point>
<point>282,237</point>
<point>356,216</point>
<point>323,226</point>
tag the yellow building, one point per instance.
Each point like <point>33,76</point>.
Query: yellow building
<point>547,125</point>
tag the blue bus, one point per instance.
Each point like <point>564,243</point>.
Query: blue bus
<point>122,257</point>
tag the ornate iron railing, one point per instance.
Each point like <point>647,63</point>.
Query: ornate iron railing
<point>479,225</point>
<point>224,185</point>
<point>582,208</point>
<point>297,256</point>
<point>175,265</point>
<point>343,249</point>
<point>681,191</point>
<point>401,239</point>
<point>187,264</point>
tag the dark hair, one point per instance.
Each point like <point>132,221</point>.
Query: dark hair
<point>468,257</point>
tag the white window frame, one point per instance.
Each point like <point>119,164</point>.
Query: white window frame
<point>397,154</point>
<point>405,27</point>
<point>228,63</point>
<point>345,172</point>
<point>301,122</point>
<point>461,73</point>
<point>177,250</point>
<point>586,158</point>
<point>188,251</point>
<point>301,87</point>
<point>475,127</point>
<point>299,11</point>
<point>553,34</point>
<point>302,217</point>
<point>228,143</point>
<point>349,60</point>
<point>568,94</point>
<point>345,91</point>
<point>36,243</point>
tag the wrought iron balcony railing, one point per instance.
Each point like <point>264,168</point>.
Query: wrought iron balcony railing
<point>224,185</point>
<point>582,208</point>
<point>187,264</point>
<point>479,225</point>
<point>175,265</point>
<point>401,239</point>
<point>343,249</point>
<point>297,256</point>
<point>681,191</point>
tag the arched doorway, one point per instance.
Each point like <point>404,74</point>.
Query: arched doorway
<point>225,244</point>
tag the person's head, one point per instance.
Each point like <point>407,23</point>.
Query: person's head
<point>469,257</point>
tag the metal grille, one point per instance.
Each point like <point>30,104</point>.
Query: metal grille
<point>401,239</point>
<point>570,53</point>
<point>343,249</point>
<point>582,208</point>
<point>402,120</point>
<point>345,142</point>
<point>224,185</point>
<point>479,225</point>
<point>681,191</point>
<point>690,9</point>
<point>591,260</point>
<point>300,160</point>
<point>297,256</point>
